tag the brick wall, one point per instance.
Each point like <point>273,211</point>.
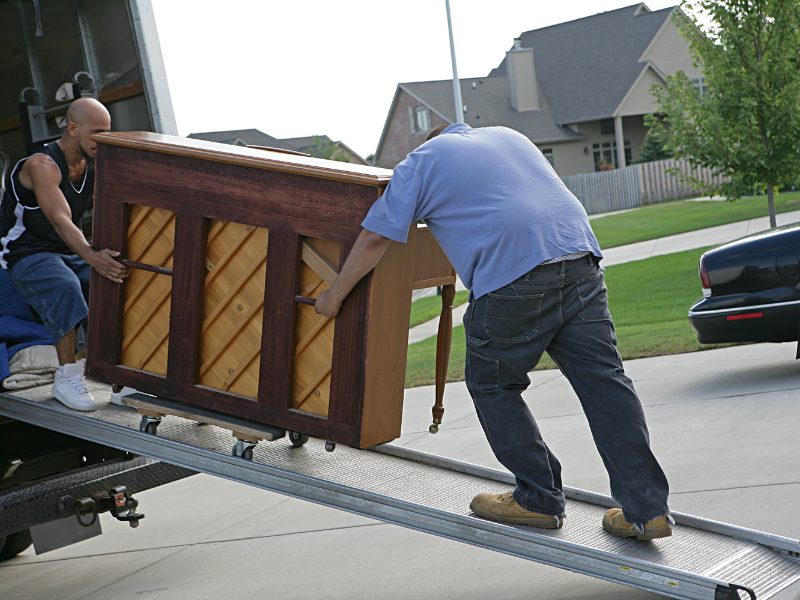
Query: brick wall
<point>400,140</point>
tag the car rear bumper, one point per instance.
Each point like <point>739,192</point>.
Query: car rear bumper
<point>764,323</point>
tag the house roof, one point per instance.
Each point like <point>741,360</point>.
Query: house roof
<point>488,104</point>
<point>254,137</point>
<point>250,137</point>
<point>309,141</point>
<point>585,67</point>
<point>584,70</point>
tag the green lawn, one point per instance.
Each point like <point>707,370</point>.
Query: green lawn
<point>669,218</point>
<point>430,307</point>
<point>649,301</point>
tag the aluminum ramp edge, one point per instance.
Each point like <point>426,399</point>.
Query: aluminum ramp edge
<point>523,543</point>
<point>774,542</point>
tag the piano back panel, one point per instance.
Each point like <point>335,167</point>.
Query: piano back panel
<point>250,238</point>
<point>146,313</point>
<point>314,334</point>
<point>309,206</point>
<point>233,307</point>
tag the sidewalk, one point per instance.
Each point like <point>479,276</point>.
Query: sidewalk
<point>712,236</point>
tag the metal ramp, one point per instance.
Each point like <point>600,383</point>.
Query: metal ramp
<point>702,560</point>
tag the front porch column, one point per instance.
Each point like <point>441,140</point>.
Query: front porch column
<point>620,142</point>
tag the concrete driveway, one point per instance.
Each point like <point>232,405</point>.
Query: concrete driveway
<point>724,424</point>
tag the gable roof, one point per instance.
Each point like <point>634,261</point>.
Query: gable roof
<point>584,68</point>
<point>254,137</point>
<point>488,104</point>
<point>250,137</point>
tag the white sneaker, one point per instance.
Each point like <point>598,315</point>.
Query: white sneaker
<point>116,397</point>
<point>70,387</point>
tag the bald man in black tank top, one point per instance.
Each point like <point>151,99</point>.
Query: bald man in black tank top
<point>42,246</point>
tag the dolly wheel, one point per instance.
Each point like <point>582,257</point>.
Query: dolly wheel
<point>298,439</point>
<point>149,424</point>
<point>247,453</point>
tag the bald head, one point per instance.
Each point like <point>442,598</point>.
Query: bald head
<point>85,117</point>
<point>87,110</point>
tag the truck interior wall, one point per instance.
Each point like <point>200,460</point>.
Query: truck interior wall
<point>79,35</point>
<point>13,61</point>
<point>130,115</point>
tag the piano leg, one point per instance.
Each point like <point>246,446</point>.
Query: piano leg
<point>443,342</point>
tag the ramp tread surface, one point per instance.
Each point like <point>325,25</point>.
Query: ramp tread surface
<point>690,550</point>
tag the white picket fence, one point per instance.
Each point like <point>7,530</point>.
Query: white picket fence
<point>630,187</point>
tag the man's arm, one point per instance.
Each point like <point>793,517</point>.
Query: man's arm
<point>366,253</point>
<point>46,177</point>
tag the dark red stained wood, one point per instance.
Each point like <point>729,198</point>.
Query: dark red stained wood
<point>444,340</point>
<point>290,206</point>
<point>306,205</point>
<point>109,230</point>
<point>185,319</point>
<point>276,371</point>
<point>227,403</point>
<point>349,349</point>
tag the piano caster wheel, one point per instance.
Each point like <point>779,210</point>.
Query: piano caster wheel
<point>434,428</point>
<point>149,424</point>
<point>297,439</point>
<point>330,446</point>
<point>243,449</point>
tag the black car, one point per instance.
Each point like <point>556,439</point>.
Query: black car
<point>751,289</point>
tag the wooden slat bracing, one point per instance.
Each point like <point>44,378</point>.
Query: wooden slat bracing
<point>233,307</point>
<point>145,320</point>
<point>311,387</point>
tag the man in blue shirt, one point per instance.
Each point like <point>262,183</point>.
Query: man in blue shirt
<point>522,243</point>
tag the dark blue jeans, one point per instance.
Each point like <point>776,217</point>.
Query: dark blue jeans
<point>561,308</point>
<point>57,287</point>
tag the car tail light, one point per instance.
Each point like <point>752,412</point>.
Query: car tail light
<point>704,277</point>
<point>745,316</point>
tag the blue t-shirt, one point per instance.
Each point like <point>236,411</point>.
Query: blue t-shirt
<point>491,200</point>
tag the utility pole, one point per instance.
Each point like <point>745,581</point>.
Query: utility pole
<point>456,84</point>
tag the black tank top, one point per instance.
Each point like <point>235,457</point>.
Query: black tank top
<point>24,229</point>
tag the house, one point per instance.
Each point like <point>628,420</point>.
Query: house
<point>578,90</point>
<point>318,145</point>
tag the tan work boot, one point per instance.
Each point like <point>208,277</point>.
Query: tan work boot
<point>503,508</point>
<point>615,523</point>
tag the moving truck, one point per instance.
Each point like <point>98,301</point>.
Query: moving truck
<point>53,485</point>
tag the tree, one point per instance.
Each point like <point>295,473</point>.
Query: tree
<point>653,149</point>
<point>328,151</point>
<point>743,122</point>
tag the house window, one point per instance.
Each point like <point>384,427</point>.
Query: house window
<point>605,155</point>
<point>699,83</point>
<point>606,126</point>
<point>422,120</point>
<point>548,154</point>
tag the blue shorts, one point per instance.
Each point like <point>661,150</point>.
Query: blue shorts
<point>57,287</point>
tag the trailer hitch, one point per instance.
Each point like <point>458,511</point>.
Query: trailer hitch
<point>117,501</point>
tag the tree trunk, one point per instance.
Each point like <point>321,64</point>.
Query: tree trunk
<point>771,203</point>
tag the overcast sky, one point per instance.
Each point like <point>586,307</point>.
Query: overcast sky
<point>301,68</point>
